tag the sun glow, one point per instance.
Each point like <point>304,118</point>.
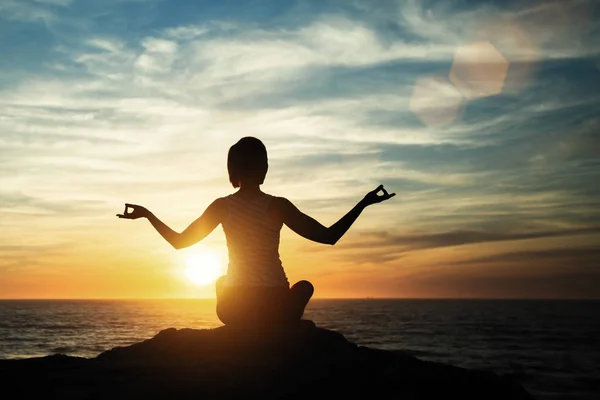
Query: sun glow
<point>203,268</point>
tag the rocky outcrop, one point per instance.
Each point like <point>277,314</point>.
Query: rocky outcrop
<point>287,362</point>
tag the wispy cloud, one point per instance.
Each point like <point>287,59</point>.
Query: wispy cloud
<point>408,242</point>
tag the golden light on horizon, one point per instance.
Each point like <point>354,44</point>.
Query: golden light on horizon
<point>203,268</point>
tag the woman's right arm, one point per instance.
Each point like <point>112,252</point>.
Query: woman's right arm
<point>311,229</point>
<point>195,232</point>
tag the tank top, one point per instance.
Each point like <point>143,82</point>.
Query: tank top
<point>253,243</point>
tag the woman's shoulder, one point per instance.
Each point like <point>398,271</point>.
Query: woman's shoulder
<point>281,205</point>
<point>278,200</point>
<point>221,200</point>
<point>220,204</point>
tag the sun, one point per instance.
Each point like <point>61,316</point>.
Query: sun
<point>203,268</point>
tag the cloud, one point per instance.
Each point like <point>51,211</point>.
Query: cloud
<point>132,91</point>
<point>581,258</point>
<point>526,32</point>
<point>158,57</point>
<point>455,238</point>
<point>17,202</point>
<point>384,247</point>
<point>26,11</point>
<point>186,32</point>
<point>61,3</point>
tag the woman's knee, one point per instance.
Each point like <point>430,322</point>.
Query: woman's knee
<point>219,283</point>
<point>219,286</point>
<point>304,288</point>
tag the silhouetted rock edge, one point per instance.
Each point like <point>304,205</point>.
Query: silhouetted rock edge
<point>295,361</point>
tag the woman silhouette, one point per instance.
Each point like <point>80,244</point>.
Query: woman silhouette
<point>256,289</point>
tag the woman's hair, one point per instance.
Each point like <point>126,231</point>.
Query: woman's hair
<point>247,162</point>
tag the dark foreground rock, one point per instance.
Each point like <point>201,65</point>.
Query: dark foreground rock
<point>302,361</point>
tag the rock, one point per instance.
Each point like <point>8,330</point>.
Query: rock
<point>268,362</point>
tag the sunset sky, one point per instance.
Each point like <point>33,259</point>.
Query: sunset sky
<point>482,117</point>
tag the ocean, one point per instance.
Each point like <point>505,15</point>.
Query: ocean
<point>552,347</point>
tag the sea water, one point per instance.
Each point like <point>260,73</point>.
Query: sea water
<point>552,347</point>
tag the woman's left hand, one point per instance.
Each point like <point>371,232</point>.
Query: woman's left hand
<point>372,197</point>
<point>135,213</point>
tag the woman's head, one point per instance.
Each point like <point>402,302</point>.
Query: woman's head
<point>247,162</point>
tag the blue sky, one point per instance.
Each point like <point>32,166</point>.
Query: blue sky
<point>481,116</point>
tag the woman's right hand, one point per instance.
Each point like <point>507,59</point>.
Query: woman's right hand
<point>372,197</point>
<point>135,213</point>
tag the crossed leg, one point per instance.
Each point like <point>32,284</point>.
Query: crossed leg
<point>256,304</point>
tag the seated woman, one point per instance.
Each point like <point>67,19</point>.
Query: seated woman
<point>256,289</point>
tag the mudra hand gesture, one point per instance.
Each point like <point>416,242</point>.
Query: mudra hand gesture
<point>135,213</point>
<point>372,197</point>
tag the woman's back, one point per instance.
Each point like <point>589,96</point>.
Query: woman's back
<point>252,232</point>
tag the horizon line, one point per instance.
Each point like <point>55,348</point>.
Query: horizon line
<point>315,298</point>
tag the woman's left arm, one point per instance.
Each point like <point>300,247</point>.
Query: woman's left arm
<point>195,232</point>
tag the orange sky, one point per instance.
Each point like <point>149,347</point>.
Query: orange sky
<point>485,128</point>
